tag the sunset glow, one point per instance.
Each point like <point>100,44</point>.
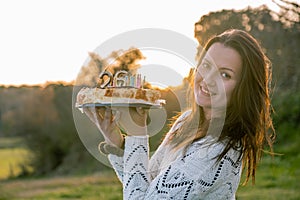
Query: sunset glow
<point>49,40</point>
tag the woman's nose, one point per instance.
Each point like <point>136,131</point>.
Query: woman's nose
<point>210,78</point>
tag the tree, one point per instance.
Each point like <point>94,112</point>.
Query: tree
<point>289,13</point>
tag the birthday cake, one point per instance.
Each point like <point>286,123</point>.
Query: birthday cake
<point>122,89</point>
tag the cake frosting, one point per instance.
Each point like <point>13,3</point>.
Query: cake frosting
<point>122,88</point>
<point>118,96</point>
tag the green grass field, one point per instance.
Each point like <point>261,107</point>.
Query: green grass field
<point>13,155</point>
<point>97,186</point>
<point>277,178</point>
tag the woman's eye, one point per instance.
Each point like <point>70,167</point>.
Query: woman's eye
<point>225,75</point>
<point>205,65</point>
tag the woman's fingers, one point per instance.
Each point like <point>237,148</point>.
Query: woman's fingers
<point>132,120</point>
<point>108,115</point>
<point>97,115</point>
<point>100,115</point>
<point>105,121</point>
<point>100,111</point>
<point>141,111</point>
<point>89,113</point>
<point>108,120</point>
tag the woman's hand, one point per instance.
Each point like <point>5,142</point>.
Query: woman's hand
<point>105,121</point>
<point>132,120</point>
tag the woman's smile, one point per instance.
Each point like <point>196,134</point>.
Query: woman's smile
<point>205,91</point>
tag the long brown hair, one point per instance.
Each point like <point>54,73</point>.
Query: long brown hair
<point>248,125</point>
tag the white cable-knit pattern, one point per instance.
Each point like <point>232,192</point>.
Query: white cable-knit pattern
<point>193,175</point>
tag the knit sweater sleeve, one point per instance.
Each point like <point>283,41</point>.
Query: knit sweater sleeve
<point>118,165</point>
<point>156,159</point>
<point>132,169</point>
<point>117,162</point>
<point>196,175</point>
<point>136,167</point>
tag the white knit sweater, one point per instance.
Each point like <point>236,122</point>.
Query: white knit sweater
<point>192,175</point>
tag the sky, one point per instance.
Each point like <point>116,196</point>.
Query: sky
<point>49,40</point>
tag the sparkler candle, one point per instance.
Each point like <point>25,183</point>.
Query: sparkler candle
<point>138,81</point>
<point>135,80</point>
<point>144,81</point>
<point>132,81</point>
<point>126,80</point>
<point>114,83</point>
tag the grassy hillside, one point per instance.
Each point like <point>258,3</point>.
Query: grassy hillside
<point>277,178</point>
<point>13,156</point>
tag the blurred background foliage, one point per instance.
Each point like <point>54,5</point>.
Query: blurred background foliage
<point>42,115</point>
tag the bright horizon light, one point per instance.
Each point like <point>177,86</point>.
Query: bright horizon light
<point>49,40</point>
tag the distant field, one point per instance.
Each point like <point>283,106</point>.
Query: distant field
<point>106,186</point>
<point>12,155</point>
<point>276,179</point>
<point>98,186</point>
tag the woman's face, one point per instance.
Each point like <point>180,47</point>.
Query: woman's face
<point>217,76</point>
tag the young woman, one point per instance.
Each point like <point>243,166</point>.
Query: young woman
<point>227,125</point>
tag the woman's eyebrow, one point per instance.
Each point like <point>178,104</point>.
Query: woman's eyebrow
<point>204,60</point>
<point>226,68</point>
<point>219,67</point>
<point>207,60</point>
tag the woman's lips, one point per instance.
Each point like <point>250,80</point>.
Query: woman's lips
<point>206,92</point>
